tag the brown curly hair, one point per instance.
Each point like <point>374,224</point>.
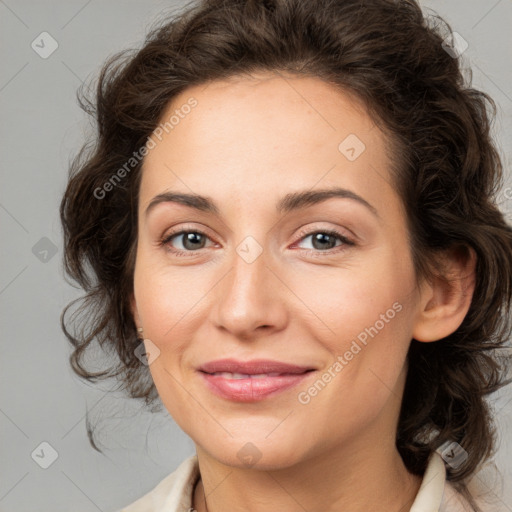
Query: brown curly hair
<point>447,171</point>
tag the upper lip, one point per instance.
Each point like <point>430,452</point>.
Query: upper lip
<point>253,367</point>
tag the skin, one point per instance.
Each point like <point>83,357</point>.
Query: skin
<point>247,143</point>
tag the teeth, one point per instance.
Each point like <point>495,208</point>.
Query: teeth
<point>229,375</point>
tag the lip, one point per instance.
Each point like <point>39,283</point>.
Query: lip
<point>250,389</point>
<point>252,367</point>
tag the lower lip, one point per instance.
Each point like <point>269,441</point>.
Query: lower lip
<point>251,390</point>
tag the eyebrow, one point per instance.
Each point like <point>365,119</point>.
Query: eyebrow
<point>290,202</point>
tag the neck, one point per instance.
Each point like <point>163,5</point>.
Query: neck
<point>359,478</point>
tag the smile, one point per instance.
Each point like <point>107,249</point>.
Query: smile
<point>229,375</point>
<point>239,387</point>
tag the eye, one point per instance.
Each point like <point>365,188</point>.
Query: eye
<point>191,241</point>
<point>323,241</point>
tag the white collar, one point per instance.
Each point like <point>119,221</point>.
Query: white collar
<point>174,493</point>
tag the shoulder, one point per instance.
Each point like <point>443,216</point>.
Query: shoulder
<point>173,493</point>
<point>437,494</point>
<point>453,501</point>
<point>486,500</point>
<point>481,491</point>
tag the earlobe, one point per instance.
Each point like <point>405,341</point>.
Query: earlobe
<point>445,301</point>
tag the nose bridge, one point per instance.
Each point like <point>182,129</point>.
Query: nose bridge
<point>248,297</point>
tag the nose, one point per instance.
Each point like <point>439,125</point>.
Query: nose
<point>250,300</point>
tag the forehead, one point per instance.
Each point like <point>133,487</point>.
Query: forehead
<point>261,133</point>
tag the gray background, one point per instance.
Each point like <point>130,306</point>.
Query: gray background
<point>42,127</point>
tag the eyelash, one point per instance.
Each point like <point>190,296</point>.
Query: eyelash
<point>331,232</point>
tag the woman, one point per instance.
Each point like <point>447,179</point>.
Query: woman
<point>290,204</point>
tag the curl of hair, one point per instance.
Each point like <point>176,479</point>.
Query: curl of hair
<point>389,55</point>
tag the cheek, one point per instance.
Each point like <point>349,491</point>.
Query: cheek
<point>344,302</point>
<point>167,298</point>
<point>363,317</point>
<point>370,316</point>
<point>166,302</point>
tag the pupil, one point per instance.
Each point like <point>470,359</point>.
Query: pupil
<point>322,238</point>
<point>191,237</point>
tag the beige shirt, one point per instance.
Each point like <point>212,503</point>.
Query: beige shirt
<point>174,493</point>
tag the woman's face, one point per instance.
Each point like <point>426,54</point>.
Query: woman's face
<point>261,274</point>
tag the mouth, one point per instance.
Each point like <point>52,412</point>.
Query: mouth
<point>236,376</point>
<point>252,380</point>
<point>253,367</point>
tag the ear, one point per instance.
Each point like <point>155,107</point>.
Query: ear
<point>445,300</point>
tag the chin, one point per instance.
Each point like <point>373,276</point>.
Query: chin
<point>256,452</point>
